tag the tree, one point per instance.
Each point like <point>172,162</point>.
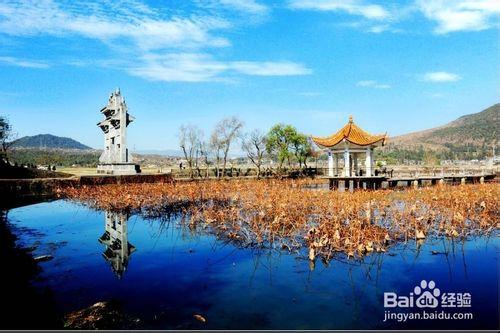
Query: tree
<point>5,136</point>
<point>279,140</point>
<point>216,146</point>
<point>224,133</point>
<point>254,145</point>
<point>189,140</point>
<point>205,152</point>
<point>201,153</point>
<point>302,148</point>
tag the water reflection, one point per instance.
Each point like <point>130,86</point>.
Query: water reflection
<point>181,271</point>
<point>115,238</point>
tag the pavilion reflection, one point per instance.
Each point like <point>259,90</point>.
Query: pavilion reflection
<point>115,238</point>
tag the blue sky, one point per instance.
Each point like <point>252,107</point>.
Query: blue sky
<point>395,66</point>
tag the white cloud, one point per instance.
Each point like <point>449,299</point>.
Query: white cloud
<point>370,26</point>
<point>449,15</point>
<point>461,15</point>
<point>178,67</point>
<point>353,7</point>
<point>366,83</point>
<point>23,63</point>
<point>377,29</point>
<point>249,6</point>
<point>269,68</point>
<point>199,67</point>
<point>104,21</point>
<point>440,77</point>
<point>164,47</point>
<point>372,84</point>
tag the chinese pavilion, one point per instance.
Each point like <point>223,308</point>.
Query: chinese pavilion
<point>351,142</point>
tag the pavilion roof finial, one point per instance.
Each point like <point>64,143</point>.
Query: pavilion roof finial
<point>351,120</point>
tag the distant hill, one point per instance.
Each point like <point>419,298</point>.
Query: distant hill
<point>48,141</point>
<point>471,136</point>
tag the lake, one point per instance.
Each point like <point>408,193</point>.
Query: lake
<point>163,273</point>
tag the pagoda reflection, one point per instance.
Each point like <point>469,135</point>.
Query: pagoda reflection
<point>115,238</point>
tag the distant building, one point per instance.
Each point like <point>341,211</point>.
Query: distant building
<point>116,158</point>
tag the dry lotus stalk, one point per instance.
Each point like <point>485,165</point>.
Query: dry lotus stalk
<point>285,214</point>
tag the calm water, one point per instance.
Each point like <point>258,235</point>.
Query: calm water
<point>164,273</point>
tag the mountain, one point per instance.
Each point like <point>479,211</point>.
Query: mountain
<point>48,141</point>
<point>471,136</point>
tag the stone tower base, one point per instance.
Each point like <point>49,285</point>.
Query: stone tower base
<point>119,169</point>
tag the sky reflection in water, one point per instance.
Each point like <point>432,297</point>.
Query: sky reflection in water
<point>168,273</point>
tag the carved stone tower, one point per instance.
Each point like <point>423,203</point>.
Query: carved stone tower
<point>116,159</point>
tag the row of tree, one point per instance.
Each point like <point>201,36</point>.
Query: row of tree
<point>282,144</point>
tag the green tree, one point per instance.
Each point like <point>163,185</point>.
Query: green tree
<point>302,148</point>
<point>5,136</point>
<point>279,140</point>
<point>284,142</point>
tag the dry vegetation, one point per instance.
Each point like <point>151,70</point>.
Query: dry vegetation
<point>285,214</point>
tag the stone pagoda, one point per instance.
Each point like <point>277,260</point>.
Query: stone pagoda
<point>116,159</point>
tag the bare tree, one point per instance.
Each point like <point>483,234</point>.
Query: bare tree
<point>254,145</point>
<point>226,131</point>
<point>205,152</point>
<point>216,145</point>
<point>198,154</point>
<point>189,140</point>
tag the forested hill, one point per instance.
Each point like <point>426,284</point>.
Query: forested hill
<point>48,141</point>
<point>468,137</point>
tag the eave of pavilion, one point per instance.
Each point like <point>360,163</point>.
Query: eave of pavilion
<point>351,137</point>
<point>353,148</point>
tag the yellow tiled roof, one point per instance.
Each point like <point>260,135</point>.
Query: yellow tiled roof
<point>351,133</point>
